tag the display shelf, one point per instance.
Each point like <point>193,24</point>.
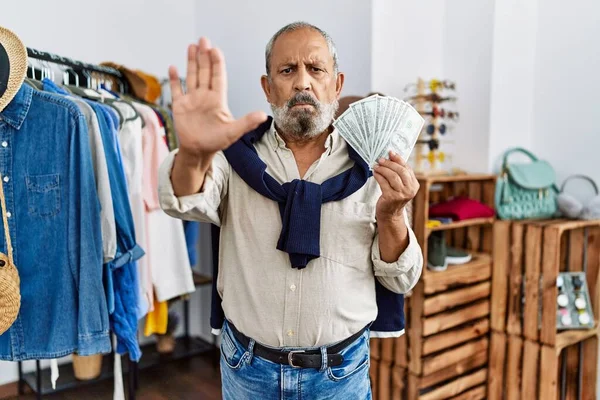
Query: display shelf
<point>461,224</point>
<point>184,348</point>
<point>461,177</point>
<point>200,279</point>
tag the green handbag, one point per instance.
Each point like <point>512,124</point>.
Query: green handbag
<point>526,191</point>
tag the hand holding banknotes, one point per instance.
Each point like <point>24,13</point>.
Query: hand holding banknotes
<point>398,185</point>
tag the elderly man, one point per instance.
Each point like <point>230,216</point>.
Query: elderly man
<point>315,249</point>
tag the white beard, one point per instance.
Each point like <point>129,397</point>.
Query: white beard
<point>304,123</point>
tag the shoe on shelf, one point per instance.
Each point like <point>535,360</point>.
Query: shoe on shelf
<point>437,252</point>
<point>456,256</point>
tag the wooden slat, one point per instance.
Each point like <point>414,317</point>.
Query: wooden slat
<point>513,324</point>
<point>533,260</point>
<point>387,350</point>
<point>572,378</point>
<point>463,223</point>
<point>457,386</point>
<point>513,367</point>
<point>458,297</point>
<point>413,387</point>
<point>566,225</point>
<point>531,371</point>
<point>470,363</point>
<point>374,375</point>
<point>590,369</point>
<point>460,235</point>
<point>375,345</point>
<point>474,232</point>
<point>455,336</point>
<point>564,252</point>
<point>451,357</point>
<point>447,320</point>
<point>477,270</point>
<point>399,383</point>
<point>548,380</point>
<point>415,328</point>
<point>501,256</point>
<point>496,365</point>
<point>550,261</point>
<point>401,352</point>
<point>593,268</point>
<point>455,177</point>
<point>576,250</point>
<point>385,381</point>
<point>488,197</point>
<point>477,393</point>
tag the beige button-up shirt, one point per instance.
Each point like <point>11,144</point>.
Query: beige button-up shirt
<point>263,296</point>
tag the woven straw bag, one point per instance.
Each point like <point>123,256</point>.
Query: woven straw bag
<point>10,294</point>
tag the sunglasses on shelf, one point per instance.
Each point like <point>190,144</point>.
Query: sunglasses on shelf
<point>433,97</point>
<point>438,112</point>
<point>431,129</point>
<point>434,85</point>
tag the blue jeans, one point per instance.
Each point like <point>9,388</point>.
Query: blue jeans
<point>245,376</point>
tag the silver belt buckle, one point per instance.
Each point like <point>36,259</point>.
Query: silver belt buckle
<point>290,362</point>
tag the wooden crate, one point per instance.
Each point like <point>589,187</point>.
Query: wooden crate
<point>388,367</point>
<point>450,309</point>
<point>527,257</point>
<point>521,369</point>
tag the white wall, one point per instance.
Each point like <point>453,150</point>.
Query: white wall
<point>513,76</point>
<point>407,43</point>
<point>467,60</point>
<point>148,35</point>
<point>242,30</point>
<point>567,84</point>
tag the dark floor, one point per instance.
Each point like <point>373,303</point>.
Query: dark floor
<point>196,379</point>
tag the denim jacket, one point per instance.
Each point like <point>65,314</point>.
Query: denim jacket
<point>121,274</point>
<point>54,222</point>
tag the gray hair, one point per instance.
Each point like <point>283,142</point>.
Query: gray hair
<point>293,27</point>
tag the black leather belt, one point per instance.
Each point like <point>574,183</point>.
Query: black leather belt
<point>295,358</point>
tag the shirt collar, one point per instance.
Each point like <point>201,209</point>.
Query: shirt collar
<point>16,111</point>
<point>277,141</point>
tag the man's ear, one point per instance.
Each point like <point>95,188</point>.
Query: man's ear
<point>266,86</point>
<point>339,83</point>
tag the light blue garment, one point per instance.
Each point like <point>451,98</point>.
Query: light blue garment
<point>55,229</point>
<point>121,276</point>
<point>245,376</point>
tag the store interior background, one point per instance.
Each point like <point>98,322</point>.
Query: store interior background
<point>527,71</point>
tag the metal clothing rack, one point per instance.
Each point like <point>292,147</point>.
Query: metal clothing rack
<point>186,346</point>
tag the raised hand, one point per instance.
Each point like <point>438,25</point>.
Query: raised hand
<point>202,118</point>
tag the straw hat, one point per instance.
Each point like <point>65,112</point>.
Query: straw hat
<point>14,55</point>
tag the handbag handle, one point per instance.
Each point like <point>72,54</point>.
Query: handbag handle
<point>9,249</point>
<point>517,150</point>
<point>584,177</point>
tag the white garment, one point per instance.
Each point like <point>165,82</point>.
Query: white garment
<point>130,140</point>
<point>166,247</point>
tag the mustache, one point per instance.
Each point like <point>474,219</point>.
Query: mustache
<point>303,98</point>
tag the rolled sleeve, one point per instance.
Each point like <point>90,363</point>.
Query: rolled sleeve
<point>403,274</point>
<point>203,206</point>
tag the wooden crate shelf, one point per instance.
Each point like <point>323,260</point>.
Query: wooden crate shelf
<point>445,353</point>
<point>524,278</point>
<point>521,369</point>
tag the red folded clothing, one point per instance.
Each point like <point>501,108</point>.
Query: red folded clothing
<point>460,208</point>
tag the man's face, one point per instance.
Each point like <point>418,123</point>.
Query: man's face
<point>303,88</point>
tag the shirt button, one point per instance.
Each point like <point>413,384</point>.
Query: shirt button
<point>290,333</point>
<point>5,144</point>
<point>8,214</point>
<point>6,179</point>
<point>293,287</point>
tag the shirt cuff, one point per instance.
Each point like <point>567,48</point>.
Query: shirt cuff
<point>204,204</point>
<point>408,264</point>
